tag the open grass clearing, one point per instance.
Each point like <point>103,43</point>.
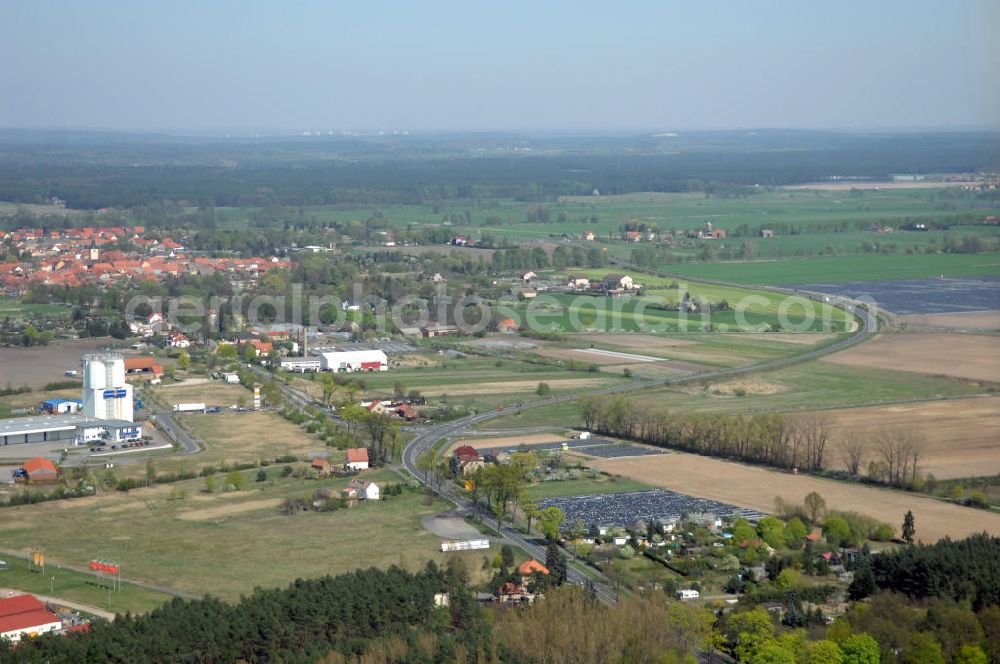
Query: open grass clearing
<point>958,436</point>
<point>226,544</point>
<point>968,356</point>
<point>209,392</point>
<point>234,438</point>
<point>756,488</point>
<point>60,582</point>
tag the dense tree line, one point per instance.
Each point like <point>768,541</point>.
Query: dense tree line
<point>966,570</point>
<point>300,623</point>
<point>772,439</point>
<point>99,171</point>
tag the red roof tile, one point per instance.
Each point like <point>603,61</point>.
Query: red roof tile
<point>357,455</point>
<point>39,465</point>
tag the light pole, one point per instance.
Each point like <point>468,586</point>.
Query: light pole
<point>52,581</point>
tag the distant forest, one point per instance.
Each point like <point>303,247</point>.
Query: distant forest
<point>90,170</point>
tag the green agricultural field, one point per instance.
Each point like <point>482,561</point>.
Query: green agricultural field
<point>225,544</point>
<point>807,386</point>
<point>673,290</point>
<point>482,383</point>
<point>13,307</point>
<point>78,587</point>
<point>731,349</point>
<point>604,215</point>
<point>655,313</point>
<point>800,387</point>
<point>825,269</point>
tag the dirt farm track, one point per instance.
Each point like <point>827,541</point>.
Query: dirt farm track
<point>756,488</point>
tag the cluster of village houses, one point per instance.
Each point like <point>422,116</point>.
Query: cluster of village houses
<point>357,489</point>
<point>85,256</point>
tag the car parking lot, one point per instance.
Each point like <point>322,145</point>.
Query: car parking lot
<point>596,447</point>
<point>626,509</point>
<point>620,450</point>
<point>126,445</point>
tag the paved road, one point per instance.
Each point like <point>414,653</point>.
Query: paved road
<point>426,437</point>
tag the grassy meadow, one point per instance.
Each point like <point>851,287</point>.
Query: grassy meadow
<point>845,268</point>
<point>800,211</point>
<point>225,544</point>
<point>800,387</point>
<point>78,586</point>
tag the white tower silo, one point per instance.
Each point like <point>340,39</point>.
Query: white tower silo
<point>106,395</point>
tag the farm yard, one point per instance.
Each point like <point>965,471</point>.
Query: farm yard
<point>965,356</point>
<point>959,436</point>
<point>755,488</point>
<point>628,508</point>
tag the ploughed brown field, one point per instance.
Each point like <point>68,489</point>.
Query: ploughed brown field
<point>756,488</point>
<point>959,436</point>
<point>37,366</point>
<point>509,441</point>
<point>970,320</point>
<point>968,356</point>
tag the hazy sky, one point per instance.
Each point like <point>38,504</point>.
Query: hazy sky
<point>575,65</point>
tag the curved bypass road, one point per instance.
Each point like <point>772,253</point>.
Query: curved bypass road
<point>427,437</point>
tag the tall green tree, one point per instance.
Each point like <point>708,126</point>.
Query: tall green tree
<point>909,527</point>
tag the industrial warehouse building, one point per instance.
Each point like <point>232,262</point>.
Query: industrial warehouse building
<point>25,615</point>
<point>106,411</point>
<point>71,429</point>
<point>354,360</point>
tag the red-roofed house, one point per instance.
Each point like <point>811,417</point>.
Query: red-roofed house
<point>25,615</point>
<point>406,412</point>
<point>143,367</point>
<point>530,568</point>
<point>41,469</point>
<point>357,458</point>
<point>321,465</point>
<point>466,453</point>
<point>513,593</point>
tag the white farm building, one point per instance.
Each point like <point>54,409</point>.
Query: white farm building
<point>354,360</point>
